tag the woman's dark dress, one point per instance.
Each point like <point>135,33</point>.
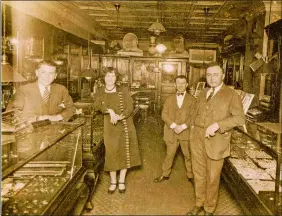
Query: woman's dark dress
<point>120,140</point>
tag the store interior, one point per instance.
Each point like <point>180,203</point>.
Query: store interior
<point>57,168</point>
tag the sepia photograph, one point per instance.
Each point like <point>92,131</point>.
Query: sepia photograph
<point>144,107</point>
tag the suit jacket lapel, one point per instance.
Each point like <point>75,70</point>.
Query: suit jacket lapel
<point>219,94</point>
<point>52,97</point>
<point>205,102</point>
<point>37,93</point>
<point>185,100</point>
<point>174,102</point>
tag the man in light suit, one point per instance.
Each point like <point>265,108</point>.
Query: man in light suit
<point>43,99</point>
<point>177,115</point>
<point>219,109</point>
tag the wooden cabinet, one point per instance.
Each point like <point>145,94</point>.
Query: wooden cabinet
<point>169,69</point>
<point>153,75</point>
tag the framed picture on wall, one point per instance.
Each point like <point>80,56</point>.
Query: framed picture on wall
<point>200,87</point>
<point>200,56</point>
<point>34,49</point>
<point>169,70</point>
<point>143,72</point>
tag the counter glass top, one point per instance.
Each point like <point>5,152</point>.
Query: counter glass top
<point>29,145</point>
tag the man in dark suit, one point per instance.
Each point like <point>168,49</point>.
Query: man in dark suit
<point>177,115</point>
<point>43,99</point>
<point>219,109</point>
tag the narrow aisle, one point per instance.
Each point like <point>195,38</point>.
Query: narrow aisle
<point>143,196</point>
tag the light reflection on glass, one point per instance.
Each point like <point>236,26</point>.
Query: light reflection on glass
<point>168,68</point>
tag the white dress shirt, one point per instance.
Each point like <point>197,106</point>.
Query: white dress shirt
<point>216,89</point>
<point>42,89</point>
<point>180,99</point>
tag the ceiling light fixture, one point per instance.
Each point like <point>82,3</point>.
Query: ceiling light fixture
<point>117,6</point>
<point>206,11</point>
<point>8,74</point>
<point>89,72</point>
<point>157,27</point>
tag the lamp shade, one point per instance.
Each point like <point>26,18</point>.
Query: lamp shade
<point>8,74</point>
<point>157,28</point>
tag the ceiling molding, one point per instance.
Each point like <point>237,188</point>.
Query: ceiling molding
<point>58,15</point>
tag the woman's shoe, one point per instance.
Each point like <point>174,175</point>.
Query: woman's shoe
<point>112,191</point>
<point>123,189</point>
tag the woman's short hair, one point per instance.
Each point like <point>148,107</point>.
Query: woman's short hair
<point>109,70</point>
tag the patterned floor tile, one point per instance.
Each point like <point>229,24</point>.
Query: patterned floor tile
<point>144,197</point>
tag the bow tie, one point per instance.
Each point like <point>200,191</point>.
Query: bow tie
<point>178,94</point>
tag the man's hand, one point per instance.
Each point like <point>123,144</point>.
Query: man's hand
<point>178,129</point>
<point>43,117</point>
<point>50,117</point>
<point>211,130</point>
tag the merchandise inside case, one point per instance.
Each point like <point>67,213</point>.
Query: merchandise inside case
<point>45,163</point>
<point>255,165</point>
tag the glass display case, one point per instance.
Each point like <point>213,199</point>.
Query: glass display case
<point>253,171</point>
<point>45,173</point>
<point>93,149</point>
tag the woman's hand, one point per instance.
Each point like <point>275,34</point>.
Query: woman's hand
<point>115,117</point>
<point>121,116</point>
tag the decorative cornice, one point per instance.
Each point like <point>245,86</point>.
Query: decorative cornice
<point>62,15</point>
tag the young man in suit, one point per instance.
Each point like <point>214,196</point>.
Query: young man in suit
<point>219,109</point>
<point>43,99</point>
<point>177,115</point>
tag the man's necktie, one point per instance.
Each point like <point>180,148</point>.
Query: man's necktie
<point>211,94</point>
<point>178,94</point>
<point>46,95</point>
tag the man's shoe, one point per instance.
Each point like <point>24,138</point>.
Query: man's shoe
<point>191,180</point>
<point>195,211</point>
<point>161,179</point>
<point>208,213</point>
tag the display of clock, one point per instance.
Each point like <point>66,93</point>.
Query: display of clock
<point>130,42</point>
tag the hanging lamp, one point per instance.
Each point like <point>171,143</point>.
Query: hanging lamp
<point>89,72</point>
<point>117,6</point>
<point>157,27</point>
<point>8,73</point>
<point>206,11</point>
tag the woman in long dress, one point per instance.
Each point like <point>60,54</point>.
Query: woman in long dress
<point>122,151</point>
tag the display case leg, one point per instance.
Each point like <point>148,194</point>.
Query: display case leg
<point>91,180</point>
